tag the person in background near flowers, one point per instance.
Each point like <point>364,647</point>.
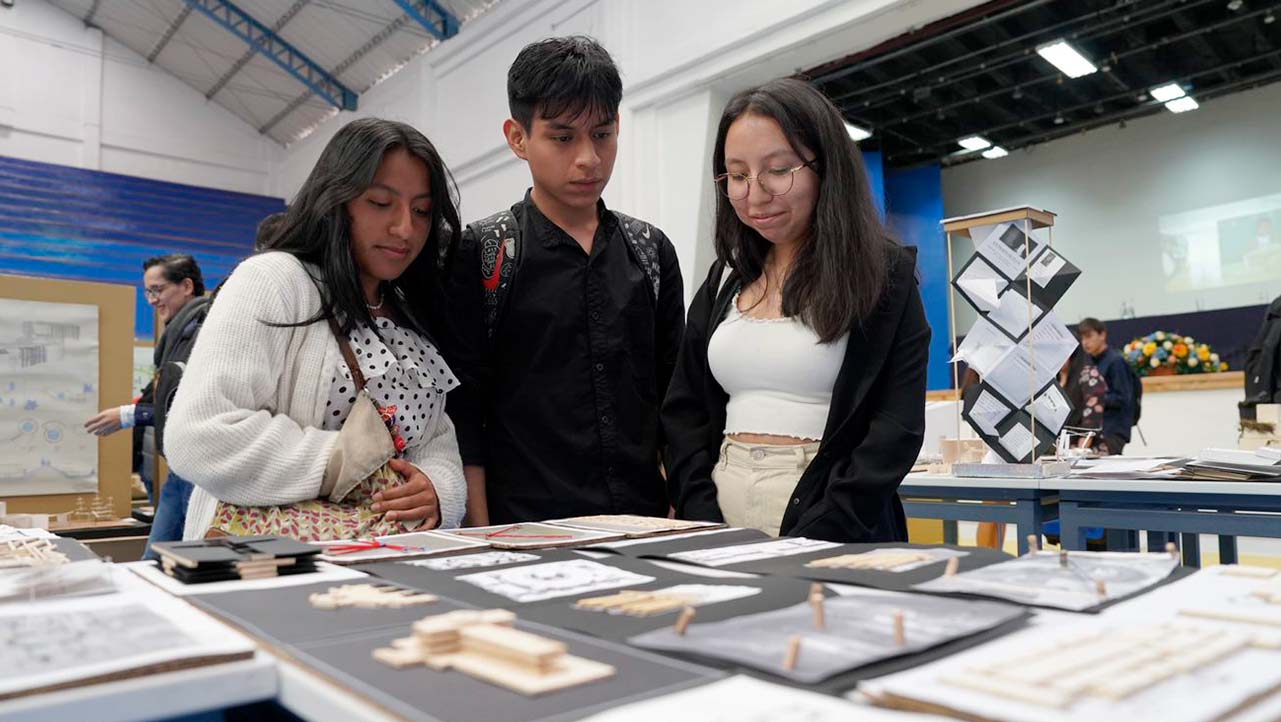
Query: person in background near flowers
<point>1119,402</point>
<point>1085,388</point>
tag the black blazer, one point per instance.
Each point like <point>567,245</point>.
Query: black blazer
<point>849,492</point>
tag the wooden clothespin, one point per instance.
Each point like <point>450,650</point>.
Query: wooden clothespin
<point>900,628</point>
<point>1033,543</point>
<point>1173,550</point>
<point>793,653</point>
<point>1063,558</point>
<point>953,566</point>
<point>1102,588</point>
<point>816,601</point>
<point>682,622</point>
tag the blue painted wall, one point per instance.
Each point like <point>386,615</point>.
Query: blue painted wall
<point>914,204</point>
<point>873,160</point>
<point>81,225</point>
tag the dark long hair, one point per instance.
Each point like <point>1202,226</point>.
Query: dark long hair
<point>315,228</point>
<point>840,272</point>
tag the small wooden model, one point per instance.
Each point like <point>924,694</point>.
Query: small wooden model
<point>483,644</point>
<point>369,596</point>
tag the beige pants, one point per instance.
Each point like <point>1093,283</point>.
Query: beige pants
<point>754,482</point>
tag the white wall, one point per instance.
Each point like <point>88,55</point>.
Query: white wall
<point>1110,187</point>
<point>680,61</point>
<point>70,96</point>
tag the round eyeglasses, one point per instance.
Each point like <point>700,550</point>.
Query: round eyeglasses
<point>774,181</point>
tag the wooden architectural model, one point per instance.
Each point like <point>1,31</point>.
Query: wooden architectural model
<point>635,603</point>
<point>1112,665</point>
<point>98,510</point>
<point>369,596</point>
<point>485,645</point>
<point>884,561</point>
<point>29,552</point>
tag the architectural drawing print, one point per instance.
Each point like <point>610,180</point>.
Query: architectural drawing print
<point>1073,581</point>
<point>48,387</point>
<point>475,561</point>
<point>737,554</point>
<point>537,582</point>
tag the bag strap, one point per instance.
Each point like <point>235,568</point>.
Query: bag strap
<point>348,355</point>
<point>644,247</point>
<point>499,239</point>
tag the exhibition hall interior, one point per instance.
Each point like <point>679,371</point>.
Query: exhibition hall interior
<point>613,361</point>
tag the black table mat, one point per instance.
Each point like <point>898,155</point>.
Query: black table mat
<point>343,649</point>
<point>284,615</point>
<point>75,551</point>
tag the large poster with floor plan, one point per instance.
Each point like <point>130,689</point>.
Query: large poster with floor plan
<point>48,389</point>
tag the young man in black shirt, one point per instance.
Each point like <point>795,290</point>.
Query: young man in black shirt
<point>568,315</point>
<point>1121,400</point>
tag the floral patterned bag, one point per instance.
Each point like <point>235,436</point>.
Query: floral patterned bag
<point>321,519</point>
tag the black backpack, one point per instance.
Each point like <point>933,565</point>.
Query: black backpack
<point>1137,382</point>
<point>169,374</point>
<point>1263,360</point>
<point>500,246</point>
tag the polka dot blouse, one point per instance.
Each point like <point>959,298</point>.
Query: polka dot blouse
<point>406,372</point>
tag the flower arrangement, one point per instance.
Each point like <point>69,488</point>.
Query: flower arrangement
<point>1161,353</point>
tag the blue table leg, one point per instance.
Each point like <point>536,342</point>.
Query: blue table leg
<point>1191,550</point>
<point>1157,541</point>
<point>1071,534</point>
<point>1227,549</point>
<point>1028,522</point>
<point>950,534</point>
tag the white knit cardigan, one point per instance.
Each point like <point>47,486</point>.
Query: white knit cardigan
<point>245,423</point>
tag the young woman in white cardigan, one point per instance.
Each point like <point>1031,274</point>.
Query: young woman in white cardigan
<point>266,413</point>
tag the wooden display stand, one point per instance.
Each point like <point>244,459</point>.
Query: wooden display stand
<point>115,372</point>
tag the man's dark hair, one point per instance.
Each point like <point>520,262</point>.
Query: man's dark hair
<point>573,75</point>
<point>178,267</point>
<point>1091,324</point>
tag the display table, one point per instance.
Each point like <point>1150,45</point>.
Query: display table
<point>1225,508</point>
<point>1022,502</point>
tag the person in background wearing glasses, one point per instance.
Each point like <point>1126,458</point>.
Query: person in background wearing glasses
<point>798,401</point>
<point>174,286</point>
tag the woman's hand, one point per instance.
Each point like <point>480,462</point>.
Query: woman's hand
<point>414,499</point>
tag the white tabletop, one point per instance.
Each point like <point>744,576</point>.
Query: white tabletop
<point>969,483</point>
<point>1154,486</point>
<point>156,696</point>
<point>1167,486</point>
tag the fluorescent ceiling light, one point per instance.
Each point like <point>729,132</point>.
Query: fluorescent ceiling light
<point>974,142</point>
<point>1167,92</point>
<point>1182,105</point>
<point>857,133</point>
<point>995,151</point>
<point>1066,58</point>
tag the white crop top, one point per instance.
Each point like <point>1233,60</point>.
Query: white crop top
<point>778,375</point>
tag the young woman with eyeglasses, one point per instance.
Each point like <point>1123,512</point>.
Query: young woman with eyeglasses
<point>797,405</point>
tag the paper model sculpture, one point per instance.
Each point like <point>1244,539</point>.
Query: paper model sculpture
<point>484,644</point>
<point>1017,344</point>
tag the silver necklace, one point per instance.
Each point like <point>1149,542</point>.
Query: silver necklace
<point>375,307</point>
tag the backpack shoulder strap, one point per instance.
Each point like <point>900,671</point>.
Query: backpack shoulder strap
<point>643,244</point>
<point>499,239</point>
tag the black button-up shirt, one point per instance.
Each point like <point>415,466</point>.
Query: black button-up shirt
<point>561,407</point>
